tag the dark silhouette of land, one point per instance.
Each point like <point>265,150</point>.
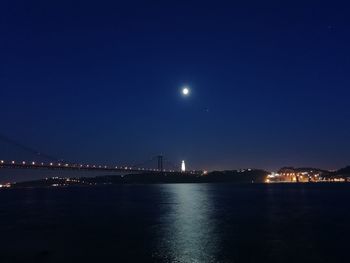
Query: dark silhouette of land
<point>231,176</point>
<point>247,176</point>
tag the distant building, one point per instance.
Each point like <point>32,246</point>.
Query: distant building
<point>183,166</point>
<point>291,174</point>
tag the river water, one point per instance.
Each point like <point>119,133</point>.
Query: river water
<point>177,223</point>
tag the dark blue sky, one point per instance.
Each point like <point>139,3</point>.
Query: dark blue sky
<point>99,81</point>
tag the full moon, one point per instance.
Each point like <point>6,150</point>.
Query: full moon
<point>185,91</point>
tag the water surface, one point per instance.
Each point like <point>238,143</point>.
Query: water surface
<point>177,223</point>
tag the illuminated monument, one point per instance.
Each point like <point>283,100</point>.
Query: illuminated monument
<point>183,166</point>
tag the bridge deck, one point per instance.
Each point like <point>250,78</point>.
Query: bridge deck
<point>66,166</point>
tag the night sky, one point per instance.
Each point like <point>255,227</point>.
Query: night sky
<point>98,81</point>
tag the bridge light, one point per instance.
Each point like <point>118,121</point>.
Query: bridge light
<point>13,162</point>
<point>2,161</point>
<point>51,164</point>
<point>23,162</point>
<point>33,163</point>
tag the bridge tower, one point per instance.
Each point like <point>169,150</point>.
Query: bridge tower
<point>160,162</point>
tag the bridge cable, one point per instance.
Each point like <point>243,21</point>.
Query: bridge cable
<point>27,148</point>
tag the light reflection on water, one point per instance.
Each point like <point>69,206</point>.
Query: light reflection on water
<point>188,232</point>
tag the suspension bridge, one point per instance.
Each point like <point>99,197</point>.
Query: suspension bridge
<point>79,166</point>
<point>156,164</point>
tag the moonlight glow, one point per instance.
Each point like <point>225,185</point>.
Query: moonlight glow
<point>185,91</point>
